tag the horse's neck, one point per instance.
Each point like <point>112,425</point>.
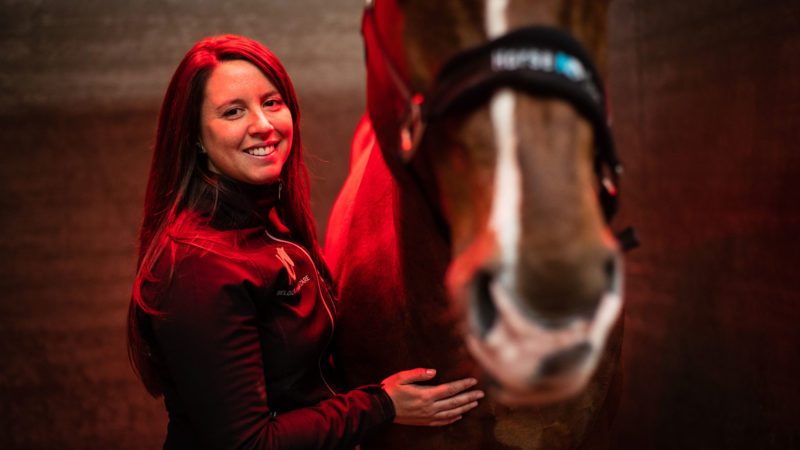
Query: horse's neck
<point>382,242</point>
<point>381,214</point>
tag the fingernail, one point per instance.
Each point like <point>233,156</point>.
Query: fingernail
<point>430,371</point>
<point>480,394</point>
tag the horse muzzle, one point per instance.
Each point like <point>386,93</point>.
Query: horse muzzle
<point>534,358</point>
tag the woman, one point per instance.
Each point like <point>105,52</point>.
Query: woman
<point>232,314</point>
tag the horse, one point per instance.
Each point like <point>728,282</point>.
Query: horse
<point>471,234</point>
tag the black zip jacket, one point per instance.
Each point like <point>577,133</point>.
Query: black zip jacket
<point>244,342</point>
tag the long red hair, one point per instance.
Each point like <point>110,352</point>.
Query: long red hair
<point>179,177</point>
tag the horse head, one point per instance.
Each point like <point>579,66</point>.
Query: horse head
<point>509,140</point>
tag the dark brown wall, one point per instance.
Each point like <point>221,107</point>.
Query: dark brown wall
<point>707,115</point>
<point>80,87</point>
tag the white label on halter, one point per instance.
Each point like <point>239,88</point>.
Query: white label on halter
<point>540,60</point>
<point>514,59</point>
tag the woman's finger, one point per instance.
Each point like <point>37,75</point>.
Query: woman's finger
<point>451,403</point>
<point>412,376</point>
<point>454,412</point>
<point>450,389</point>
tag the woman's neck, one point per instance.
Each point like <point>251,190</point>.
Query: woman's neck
<point>232,204</point>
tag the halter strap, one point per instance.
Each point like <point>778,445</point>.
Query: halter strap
<point>544,61</point>
<point>541,60</point>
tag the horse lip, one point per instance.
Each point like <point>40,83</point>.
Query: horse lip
<point>542,392</point>
<point>565,361</point>
<point>522,358</point>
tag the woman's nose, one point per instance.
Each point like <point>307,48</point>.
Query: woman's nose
<point>260,123</point>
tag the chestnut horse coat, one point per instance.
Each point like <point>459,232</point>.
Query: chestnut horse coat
<point>389,261</point>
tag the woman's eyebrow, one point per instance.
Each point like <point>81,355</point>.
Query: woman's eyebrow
<point>239,100</point>
<point>271,93</point>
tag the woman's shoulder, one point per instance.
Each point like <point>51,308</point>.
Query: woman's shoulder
<point>202,260</point>
<point>194,249</point>
<point>191,234</point>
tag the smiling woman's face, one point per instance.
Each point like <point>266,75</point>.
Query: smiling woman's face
<point>246,127</point>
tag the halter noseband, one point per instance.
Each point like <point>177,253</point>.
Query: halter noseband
<point>544,61</point>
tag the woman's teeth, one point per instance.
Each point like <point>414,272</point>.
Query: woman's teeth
<point>261,151</point>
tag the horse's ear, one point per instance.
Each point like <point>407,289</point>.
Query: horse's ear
<point>412,129</point>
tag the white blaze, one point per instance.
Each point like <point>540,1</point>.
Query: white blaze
<point>504,217</point>
<point>496,23</point>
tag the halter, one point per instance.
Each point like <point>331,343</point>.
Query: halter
<point>544,61</point>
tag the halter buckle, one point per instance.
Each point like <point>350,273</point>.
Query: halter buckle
<point>412,128</point>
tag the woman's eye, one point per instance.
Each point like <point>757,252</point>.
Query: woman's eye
<point>273,103</point>
<point>231,112</point>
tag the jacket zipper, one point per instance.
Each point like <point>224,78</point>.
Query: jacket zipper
<point>322,298</point>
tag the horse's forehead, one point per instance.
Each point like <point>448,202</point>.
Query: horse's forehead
<point>465,22</point>
<point>421,34</point>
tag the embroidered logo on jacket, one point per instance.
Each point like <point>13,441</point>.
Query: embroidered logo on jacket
<point>296,289</point>
<point>287,262</point>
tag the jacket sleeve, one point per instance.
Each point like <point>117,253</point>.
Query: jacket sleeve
<point>211,347</point>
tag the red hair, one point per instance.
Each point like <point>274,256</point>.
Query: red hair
<point>179,177</point>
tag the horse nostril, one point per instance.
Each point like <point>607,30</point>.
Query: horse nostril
<point>483,307</point>
<point>610,272</point>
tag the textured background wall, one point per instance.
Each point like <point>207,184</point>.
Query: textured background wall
<point>80,87</point>
<point>707,115</point>
<point>707,107</point>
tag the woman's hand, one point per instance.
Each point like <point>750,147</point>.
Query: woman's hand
<point>417,404</point>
